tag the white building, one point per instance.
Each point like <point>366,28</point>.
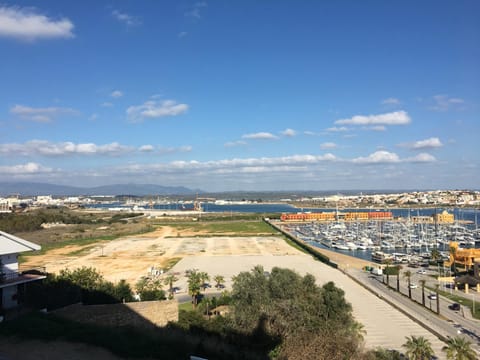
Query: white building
<point>12,281</point>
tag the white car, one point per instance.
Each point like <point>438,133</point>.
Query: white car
<point>413,286</point>
<point>432,296</point>
<point>421,272</point>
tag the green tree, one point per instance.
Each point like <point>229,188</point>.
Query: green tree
<point>388,262</point>
<point>204,279</point>
<point>408,275</point>
<point>149,289</point>
<point>219,281</point>
<point>194,285</point>
<point>418,348</point>
<point>86,278</point>
<point>422,283</point>
<point>293,308</point>
<point>123,291</point>
<point>169,280</point>
<point>459,348</point>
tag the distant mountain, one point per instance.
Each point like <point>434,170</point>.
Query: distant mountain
<point>34,189</point>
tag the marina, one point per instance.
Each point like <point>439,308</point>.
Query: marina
<point>399,240</point>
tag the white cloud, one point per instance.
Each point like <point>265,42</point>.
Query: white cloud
<point>146,148</point>
<point>422,158</point>
<point>155,108</point>
<point>445,103</point>
<point>127,19</point>
<point>116,94</point>
<point>26,24</point>
<point>235,143</point>
<point>260,136</point>
<point>194,11</point>
<point>378,157</point>
<point>386,157</point>
<point>391,101</point>
<point>393,118</point>
<point>289,132</point>
<point>328,145</point>
<point>430,143</point>
<point>182,34</point>
<point>40,114</point>
<point>24,169</point>
<point>309,133</point>
<point>46,148</point>
<point>106,104</point>
<point>337,129</point>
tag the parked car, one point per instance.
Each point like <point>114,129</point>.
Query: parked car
<point>432,296</point>
<point>413,286</point>
<point>421,271</point>
<point>455,307</point>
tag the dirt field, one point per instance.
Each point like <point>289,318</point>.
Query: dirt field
<point>132,257</point>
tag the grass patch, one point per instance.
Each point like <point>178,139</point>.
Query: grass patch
<point>171,263</point>
<point>239,228</point>
<point>186,306</point>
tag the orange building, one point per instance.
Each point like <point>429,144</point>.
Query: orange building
<point>461,256</point>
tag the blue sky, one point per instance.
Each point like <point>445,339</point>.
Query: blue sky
<point>241,95</point>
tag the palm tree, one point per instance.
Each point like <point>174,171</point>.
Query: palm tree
<point>388,262</point>
<point>418,348</point>
<point>408,275</point>
<point>204,277</point>
<point>437,286</point>
<point>219,280</point>
<point>459,348</point>
<point>169,280</point>
<point>422,282</point>
<point>194,285</point>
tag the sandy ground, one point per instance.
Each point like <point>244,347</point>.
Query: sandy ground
<point>132,257</point>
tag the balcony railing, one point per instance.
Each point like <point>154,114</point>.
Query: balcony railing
<point>20,276</point>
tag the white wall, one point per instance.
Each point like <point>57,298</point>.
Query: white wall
<point>9,263</point>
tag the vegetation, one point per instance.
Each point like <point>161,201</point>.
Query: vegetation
<point>459,348</point>
<point>33,220</point>
<point>408,275</point>
<point>238,228</point>
<point>84,285</point>
<point>219,281</point>
<point>150,289</point>
<point>169,280</point>
<point>194,285</point>
<point>418,348</point>
<point>311,322</point>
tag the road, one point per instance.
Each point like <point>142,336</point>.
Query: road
<point>449,324</point>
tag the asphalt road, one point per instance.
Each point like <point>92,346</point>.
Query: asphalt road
<point>448,324</point>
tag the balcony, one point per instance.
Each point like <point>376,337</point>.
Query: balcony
<point>20,277</point>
